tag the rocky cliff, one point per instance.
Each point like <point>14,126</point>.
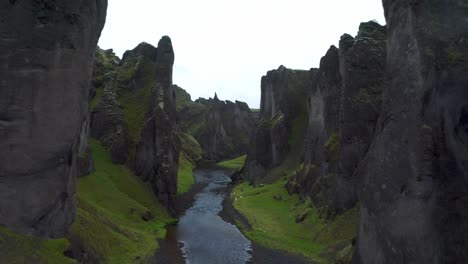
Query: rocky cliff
<point>415,175</point>
<point>344,105</point>
<point>46,56</point>
<point>134,113</point>
<point>227,129</point>
<point>157,152</point>
<point>223,128</point>
<point>282,109</point>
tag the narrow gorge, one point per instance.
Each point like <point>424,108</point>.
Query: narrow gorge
<point>105,159</point>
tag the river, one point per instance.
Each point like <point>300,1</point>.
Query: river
<point>203,236</point>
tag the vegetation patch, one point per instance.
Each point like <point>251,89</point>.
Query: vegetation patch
<point>118,217</point>
<point>286,222</point>
<point>20,249</point>
<point>236,163</point>
<point>96,98</point>
<point>332,145</point>
<point>185,178</point>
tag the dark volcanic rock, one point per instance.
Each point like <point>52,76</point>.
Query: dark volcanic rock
<point>46,54</point>
<point>282,101</point>
<point>344,105</point>
<point>362,64</point>
<point>157,152</point>
<point>414,203</point>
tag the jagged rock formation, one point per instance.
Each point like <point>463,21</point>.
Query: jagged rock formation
<point>134,114</point>
<point>223,128</point>
<point>45,68</point>
<point>344,104</point>
<point>281,105</point>
<point>157,152</point>
<point>415,175</point>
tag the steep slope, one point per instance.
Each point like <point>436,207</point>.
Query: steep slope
<point>46,61</point>
<point>415,176</point>
<point>134,113</point>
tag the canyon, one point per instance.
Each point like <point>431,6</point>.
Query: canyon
<point>362,160</point>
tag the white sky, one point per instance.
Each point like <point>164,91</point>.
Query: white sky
<point>226,46</point>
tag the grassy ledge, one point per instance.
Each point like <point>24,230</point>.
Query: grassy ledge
<point>236,163</point>
<point>282,221</point>
<point>118,217</point>
<point>20,249</point>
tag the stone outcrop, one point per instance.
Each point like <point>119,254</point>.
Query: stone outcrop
<point>109,126</point>
<point>134,113</point>
<point>46,57</point>
<point>344,105</point>
<point>415,175</point>
<point>282,103</point>
<point>157,152</point>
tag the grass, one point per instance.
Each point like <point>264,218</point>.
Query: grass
<point>112,203</point>
<point>185,177</point>
<point>20,249</point>
<point>274,225</point>
<point>236,163</point>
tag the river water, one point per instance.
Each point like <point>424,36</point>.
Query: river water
<point>205,238</point>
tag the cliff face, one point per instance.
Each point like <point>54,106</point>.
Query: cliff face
<point>226,130</point>
<point>281,105</point>
<point>344,105</point>
<point>45,66</point>
<point>134,113</point>
<point>157,152</point>
<point>222,128</point>
<point>415,178</point>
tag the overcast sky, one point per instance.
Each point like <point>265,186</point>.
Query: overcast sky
<point>226,46</point>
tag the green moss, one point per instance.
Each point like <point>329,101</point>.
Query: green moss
<point>332,145</point>
<point>111,205</point>
<point>191,147</point>
<point>185,178</point>
<point>236,163</point>
<point>274,224</point>
<point>135,105</point>
<point>19,249</point>
<point>96,98</point>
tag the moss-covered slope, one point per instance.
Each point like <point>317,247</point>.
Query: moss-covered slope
<point>119,218</point>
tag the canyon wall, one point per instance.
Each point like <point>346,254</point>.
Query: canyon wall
<point>46,58</point>
<point>415,175</point>
<point>282,105</point>
<point>343,107</point>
